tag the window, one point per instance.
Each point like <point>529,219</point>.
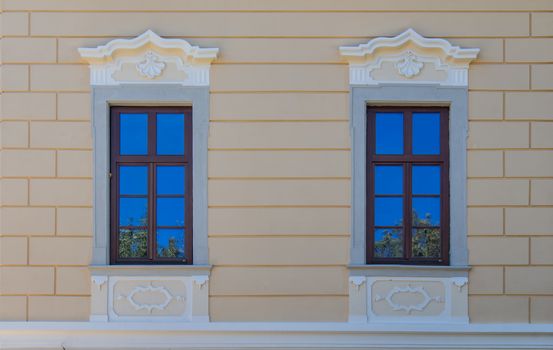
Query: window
<point>151,185</point>
<point>407,185</point>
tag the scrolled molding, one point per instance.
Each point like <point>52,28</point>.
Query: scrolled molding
<point>426,298</point>
<point>151,55</point>
<point>410,53</point>
<point>168,297</point>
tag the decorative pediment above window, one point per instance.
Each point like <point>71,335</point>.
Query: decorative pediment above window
<point>149,58</point>
<point>408,58</point>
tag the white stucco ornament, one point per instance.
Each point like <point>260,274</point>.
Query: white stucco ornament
<point>426,298</point>
<point>408,58</point>
<point>147,59</point>
<point>409,66</point>
<point>151,67</point>
<point>149,289</point>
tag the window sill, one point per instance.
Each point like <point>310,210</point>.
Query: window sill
<point>377,270</point>
<point>150,270</point>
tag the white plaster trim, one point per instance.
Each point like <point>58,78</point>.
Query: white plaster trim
<point>151,66</point>
<point>105,52</point>
<point>272,335</point>
<point>150,288</point>
<point>99,281</point>
<point>450,299</point>
<point>427,299</point>
<point>186,299</point>
<point>365,58</point>
<point>357,281</point>
<point>151,54</point>
<point>201,280</point>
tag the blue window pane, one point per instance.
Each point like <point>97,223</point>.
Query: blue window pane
<point>426,179</point>
<point>170,134</point>
<point>170,180</point>
<point>389,133</point>
<point>388,243</point>
<point>170,212</point>
<point>426,243</point>
<point>170,243</point>
<point>388,211</point>
<point>426,133</point>
<point>133,180</point>
<point>133,134</point>
<point>133,211</point>
<point>426,211</point>
<point>388,179</point>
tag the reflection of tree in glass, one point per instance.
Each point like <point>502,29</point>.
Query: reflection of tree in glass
<point>426,241</point>
<point>390,245</point>
<point>171,251</point>
<point>133,242</point>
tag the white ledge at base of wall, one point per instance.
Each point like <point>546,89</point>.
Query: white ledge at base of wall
<point>272,335</point>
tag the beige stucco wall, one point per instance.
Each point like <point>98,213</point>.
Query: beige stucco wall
<point>279,168</point>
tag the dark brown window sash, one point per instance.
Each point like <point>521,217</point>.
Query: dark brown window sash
<point>151,160</point>
<point>407,160</point>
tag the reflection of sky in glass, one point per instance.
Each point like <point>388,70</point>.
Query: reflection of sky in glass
<point>133,211</point>
<point>426,179</point>
<point>388,179</point>
<point>133,134</point>
<point>164,237</point>
<point>170,134</point>
<point>426,133</point>
<point>133,180</point>
<point>389,133</point>
<point>388,211</point>
<point>170,212</point>
<point>170,180</point>
<point>427,210</point>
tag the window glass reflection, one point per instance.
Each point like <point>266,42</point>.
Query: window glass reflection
<point>388,211</point>
<point>426,133</point>
<point>133,211</point>
<point>170,179</point>
<point>133,180</point>
<point>426,179</point>
<point>389,133</point>
<point>426,243</point>
<point>133,134</point>
<point>388,179</point>
<point>133,243</point>
<point>388,243</point>
<point>170,134</point>
<point>426,211</point>
<point>170,243</point>
<point>170,212</point>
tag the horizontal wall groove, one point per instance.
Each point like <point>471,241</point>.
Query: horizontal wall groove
<point>284,235</point>
<point>278,206</point>
<point>429,10</point>
<point>344,120</point>
<point>279,149</point>
<point>272,178</point>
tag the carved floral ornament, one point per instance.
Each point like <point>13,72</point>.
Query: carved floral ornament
<point>153,60</point>
<point>410,54</point>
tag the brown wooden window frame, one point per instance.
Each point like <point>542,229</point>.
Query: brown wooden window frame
<point>407,160</point>
<point>152,160</point>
